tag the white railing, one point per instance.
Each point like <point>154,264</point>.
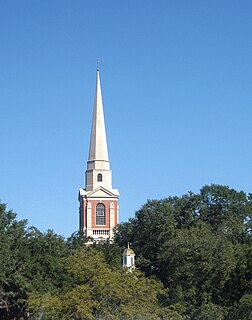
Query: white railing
<point>100,232</point>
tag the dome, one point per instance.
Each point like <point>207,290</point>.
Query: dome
<point>128,251</point>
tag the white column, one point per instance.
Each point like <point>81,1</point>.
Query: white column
<point>89,220</point>
<point>112,219</point>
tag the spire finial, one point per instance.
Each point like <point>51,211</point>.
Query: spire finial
<point>98,64</point>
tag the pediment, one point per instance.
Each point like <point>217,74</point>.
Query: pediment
<point>102,192</point>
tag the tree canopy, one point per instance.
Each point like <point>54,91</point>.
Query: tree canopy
<point>193,256</point>
<point>98,291</point>
<point>199,246</point>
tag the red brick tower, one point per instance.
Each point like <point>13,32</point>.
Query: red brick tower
<point>98,201</point>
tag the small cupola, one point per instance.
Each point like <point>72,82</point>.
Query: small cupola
<point>128,258</point>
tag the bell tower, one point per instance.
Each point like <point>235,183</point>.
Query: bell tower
<point>98,200</point>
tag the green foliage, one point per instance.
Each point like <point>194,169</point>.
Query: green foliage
<point>101,292</point>
<point>44,268</point>
<point>199,245</point>
<point>13,255</point>
<point>29,260</point>
<point>243,309</point>
<point>194,253</point>
<point>210,311</point>
<point>199,262</point>
<point>77,240</point>
<point>227,211</point>
<point>112,253</point>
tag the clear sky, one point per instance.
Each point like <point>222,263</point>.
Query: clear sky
<point>176,78</point>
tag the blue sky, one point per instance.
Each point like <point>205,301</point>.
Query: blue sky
<point>176,79</point>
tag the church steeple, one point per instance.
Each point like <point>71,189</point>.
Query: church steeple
<point>98,200</point>
<point>98,141</point>
<point>98,167</point>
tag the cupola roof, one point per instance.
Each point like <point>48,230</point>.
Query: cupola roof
<point>128,251</point>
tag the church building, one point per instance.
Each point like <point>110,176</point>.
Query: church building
<point>98,200</point>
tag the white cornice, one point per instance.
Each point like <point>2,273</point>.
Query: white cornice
<point>99,192</point>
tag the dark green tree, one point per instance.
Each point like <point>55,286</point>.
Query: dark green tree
<point>242,310</point>
<point>196,265</point>
<point>44,268</point>
<point>227,211</point>
<point>199,245</point>
<point>112,253</point>
<point>77,240</point>
<point>13,256</point>
<point>101,292</point>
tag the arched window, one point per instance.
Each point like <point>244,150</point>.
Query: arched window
<point>99,177</point>
<point>100,214</point>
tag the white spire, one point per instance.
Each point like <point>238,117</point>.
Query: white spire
<point>98,143</point>
<point>98,171</point>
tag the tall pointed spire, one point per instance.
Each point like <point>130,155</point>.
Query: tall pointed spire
<point>98,161</point>
<point>98,141</point>
<point>98,200</point>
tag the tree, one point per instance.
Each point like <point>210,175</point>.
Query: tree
<point>112,253</point>
<point>29,260</point>
<point>196,265</point>
<point>243,309</point>
<point>13,256</point>
<point>227,211</point>
<point>77,240</point>
<point>199,245</point>
<point>196,251</point>
<point>101,292</point>
<point>44,267</point>
<point>210,311</point>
